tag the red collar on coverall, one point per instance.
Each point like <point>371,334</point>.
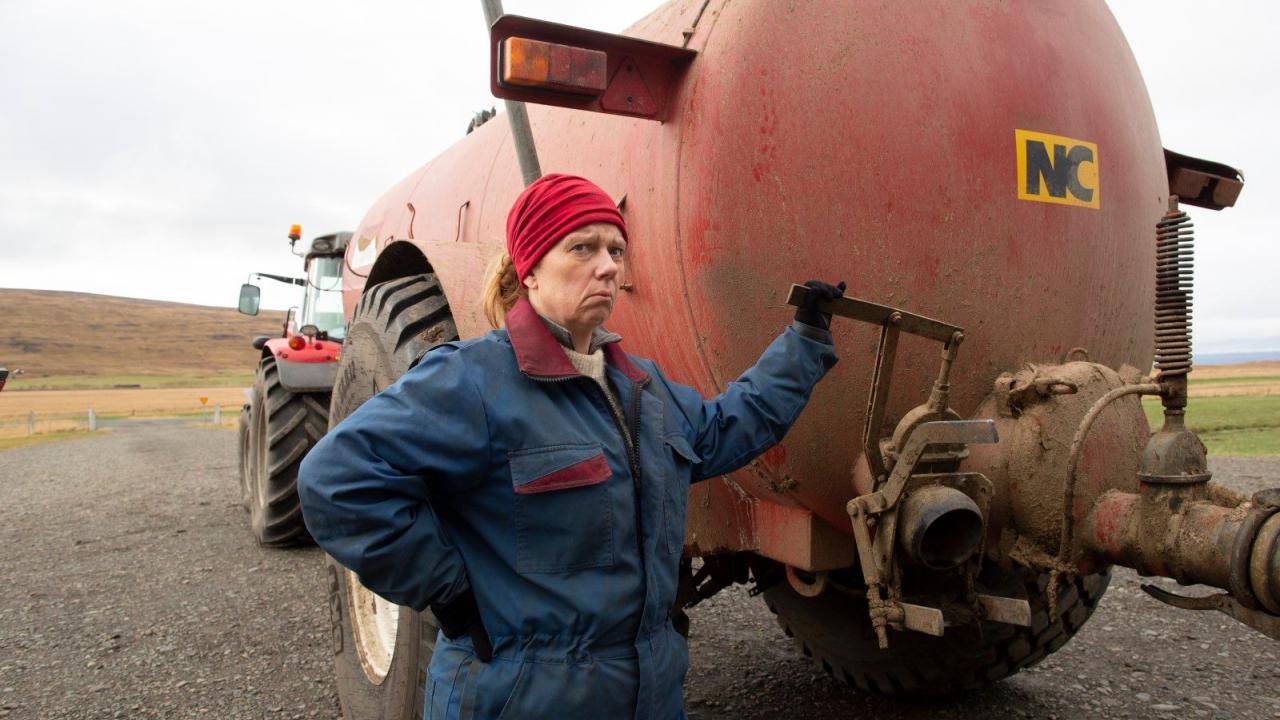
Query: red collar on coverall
<point>540,355</point>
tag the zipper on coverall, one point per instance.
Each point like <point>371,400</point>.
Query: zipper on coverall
<point>629,432</point>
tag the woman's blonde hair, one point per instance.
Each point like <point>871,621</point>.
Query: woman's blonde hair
<point>501,290</point>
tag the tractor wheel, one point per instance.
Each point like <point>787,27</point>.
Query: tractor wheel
<point>834,630</point>
<point>381,650</point>
<point>283,426</point>
<point>242,430</point>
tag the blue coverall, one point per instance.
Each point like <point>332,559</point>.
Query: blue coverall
<point>492,465</point>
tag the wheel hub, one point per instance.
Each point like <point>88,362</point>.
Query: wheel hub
<point>375,622</point>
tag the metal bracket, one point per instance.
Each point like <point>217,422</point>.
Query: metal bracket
<point>931,425</point>
<point>804,587</point>
<point>932,621</point>
<point>892,321</point>
<point>923,619</point>
<point>881,507</point>
<point>643,75</point>
<point>1202,183</point>
<point>1011,611</point>
<point>1263,622</point>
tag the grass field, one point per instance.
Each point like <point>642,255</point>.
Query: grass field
<point>1224,380</point>
<point>104,382</point>
<point>1234,408</point>
<point>139,402</point>
<point>62,411</point>
<point>1229,425</point>
<point>9,443</point>
<point>123,357</point>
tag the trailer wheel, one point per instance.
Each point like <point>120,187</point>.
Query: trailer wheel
<point>242,431</point>
<point>283,426</point>
<point>833,629</point>
<point>381,650</point>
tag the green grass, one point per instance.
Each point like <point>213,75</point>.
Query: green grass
<point>158,415</point>
<point>1257,441</point>
<point>1242,380</point>
<point>98,382</point>
<point>1233,425</point>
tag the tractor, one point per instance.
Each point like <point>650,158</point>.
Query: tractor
<point>287,408</point>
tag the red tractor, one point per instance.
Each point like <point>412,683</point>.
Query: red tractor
<point>288,406</point>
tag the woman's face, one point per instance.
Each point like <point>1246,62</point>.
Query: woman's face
<point>576,282</point>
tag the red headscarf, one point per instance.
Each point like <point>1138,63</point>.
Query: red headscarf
<point>552,207</point>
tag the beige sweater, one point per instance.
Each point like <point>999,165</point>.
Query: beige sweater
<point>592,365</point>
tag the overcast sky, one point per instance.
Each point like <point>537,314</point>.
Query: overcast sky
<point>161,148</point>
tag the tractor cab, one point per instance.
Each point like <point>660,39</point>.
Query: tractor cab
<point>320,315</point>
<point>322,297</point>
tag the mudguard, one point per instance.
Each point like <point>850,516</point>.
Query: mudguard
<point>300,377</point>
<point>312,368</point>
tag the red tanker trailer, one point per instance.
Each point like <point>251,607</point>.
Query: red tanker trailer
<point>990,180</point>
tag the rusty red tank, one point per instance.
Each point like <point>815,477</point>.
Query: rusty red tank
<point>996,166</point>
<point>876,144</point>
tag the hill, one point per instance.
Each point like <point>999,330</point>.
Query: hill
<point>67,339</point>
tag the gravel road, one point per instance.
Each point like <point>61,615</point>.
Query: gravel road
<point>131,589</point>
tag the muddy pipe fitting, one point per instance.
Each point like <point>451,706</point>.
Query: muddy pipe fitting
<point>1156,532</point>
<point>1255,559</point>
<point>1175,456</point>
<point>940,527</point>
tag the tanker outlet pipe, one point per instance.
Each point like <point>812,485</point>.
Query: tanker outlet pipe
<point>517,114</point>
<point>940,527</point>
<point>1176,525</point>
<point>1161,531</point>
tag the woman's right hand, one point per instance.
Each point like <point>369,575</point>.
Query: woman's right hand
<point>461,617</point>
<point>819,292</point>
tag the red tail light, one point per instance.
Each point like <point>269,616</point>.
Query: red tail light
<point>533,63</point>
<point>297,342</point>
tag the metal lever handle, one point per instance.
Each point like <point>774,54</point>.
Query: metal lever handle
<point>867,311</point>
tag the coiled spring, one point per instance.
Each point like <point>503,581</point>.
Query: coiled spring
<point>1175,248</point>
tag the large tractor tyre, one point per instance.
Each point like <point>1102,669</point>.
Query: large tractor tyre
<point>283,427</point>
<point>242,432</point>
<point>381,650</point>
<point>834,630</point>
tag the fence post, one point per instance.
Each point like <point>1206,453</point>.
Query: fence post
<point>217,414</point>
<point>31,422</point>
<point>93,421</point>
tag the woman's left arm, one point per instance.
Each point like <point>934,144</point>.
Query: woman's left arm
<point>756,410</point>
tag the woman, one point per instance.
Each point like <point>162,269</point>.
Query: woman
<point>530,486</point>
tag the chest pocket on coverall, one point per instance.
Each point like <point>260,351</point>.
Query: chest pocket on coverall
<point>563,517</point>
<point>675,502</point>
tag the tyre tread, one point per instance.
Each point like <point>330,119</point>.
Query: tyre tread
<point>848,652</point>
<point>393,324</point>
<point>293,426</point>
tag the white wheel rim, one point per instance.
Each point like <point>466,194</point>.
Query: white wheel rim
<point>374,622</point>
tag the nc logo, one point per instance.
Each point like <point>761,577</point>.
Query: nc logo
<point>1056,169</point>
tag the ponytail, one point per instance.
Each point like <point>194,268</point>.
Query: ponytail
<point>502,289</point>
